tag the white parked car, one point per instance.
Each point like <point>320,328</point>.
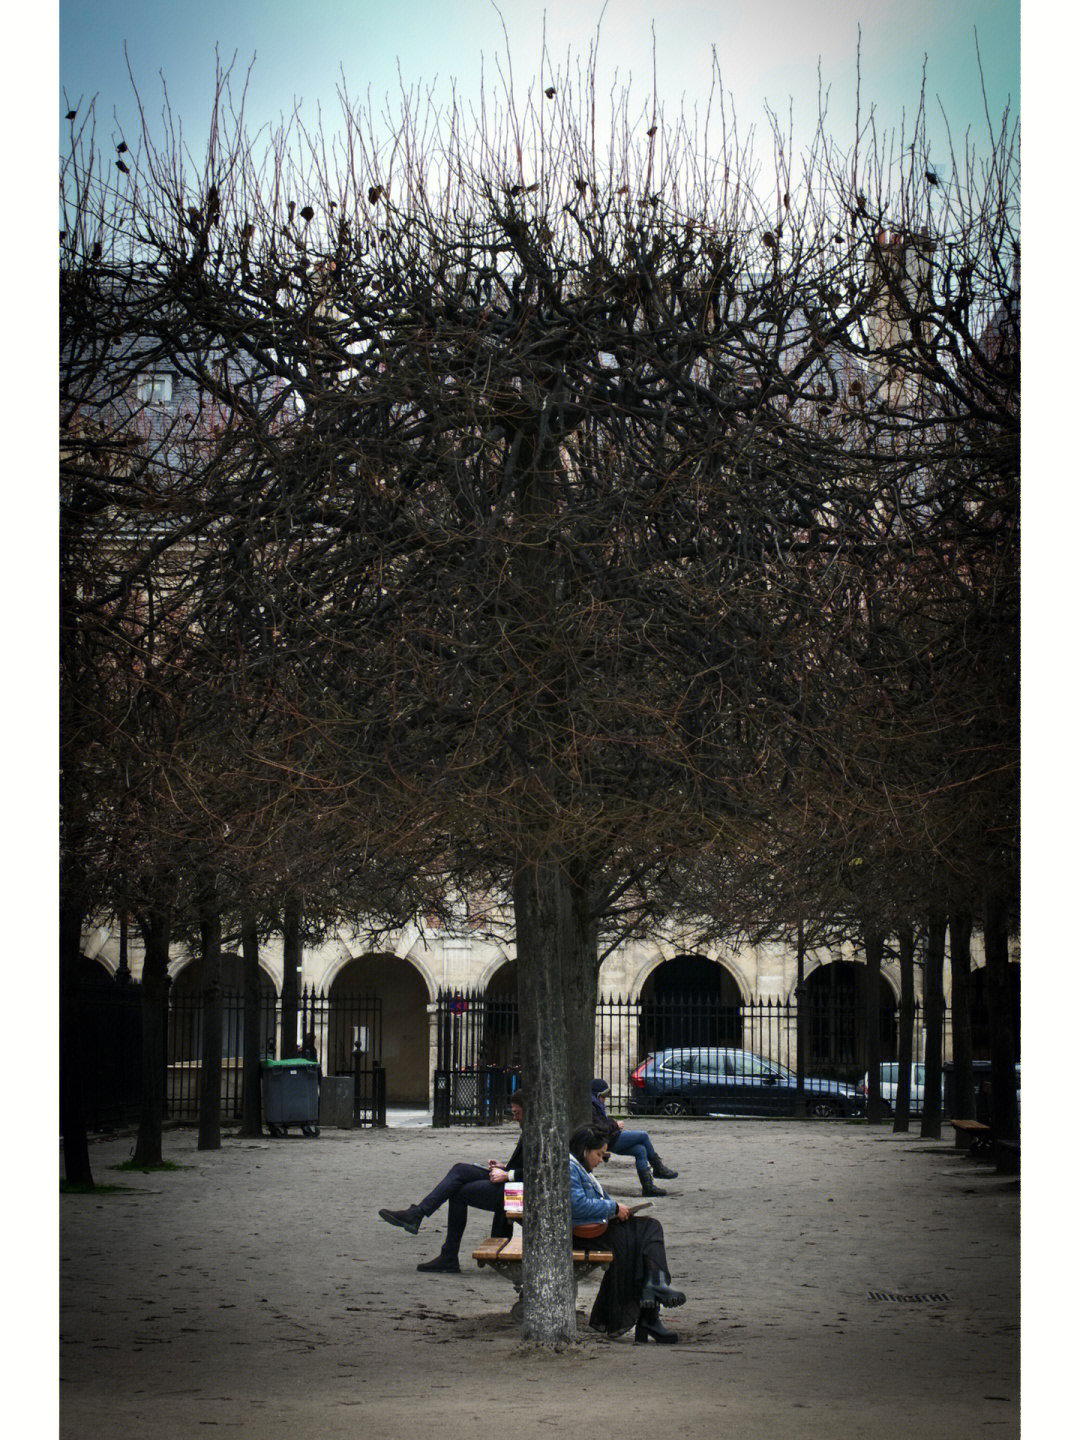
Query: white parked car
<point>890,1078</point>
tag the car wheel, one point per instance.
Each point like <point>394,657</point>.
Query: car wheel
<point>820,1107</point>
<point>673,1107</point>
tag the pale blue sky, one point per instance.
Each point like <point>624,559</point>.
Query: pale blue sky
<point>767,49</point>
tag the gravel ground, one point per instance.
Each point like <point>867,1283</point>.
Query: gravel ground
<point>255,1290</point>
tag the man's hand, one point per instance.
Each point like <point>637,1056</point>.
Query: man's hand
<point>496,1174</point>
<point>622,1213</point>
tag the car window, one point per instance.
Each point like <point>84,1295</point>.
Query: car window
<point>751,1065</point>
<point>710,1064</point>
<point>678,1061</point>
<point>889,1074</point>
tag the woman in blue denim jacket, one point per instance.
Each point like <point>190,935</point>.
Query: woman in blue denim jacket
<point>638,1281</point>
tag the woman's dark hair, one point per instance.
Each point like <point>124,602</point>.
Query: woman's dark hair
<point>585,1137</point>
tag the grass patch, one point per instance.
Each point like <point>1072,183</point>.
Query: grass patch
<point>141,1169</point>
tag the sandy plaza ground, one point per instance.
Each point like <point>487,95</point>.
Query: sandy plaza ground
<point>843,1282</point>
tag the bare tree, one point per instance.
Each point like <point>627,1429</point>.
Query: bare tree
<point>580,510</point>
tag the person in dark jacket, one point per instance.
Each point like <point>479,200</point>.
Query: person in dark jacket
<point>480,1186</point>
<point>629,1142</point>
<point>638,1281</point>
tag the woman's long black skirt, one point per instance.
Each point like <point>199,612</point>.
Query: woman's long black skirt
<point>638,1247</point>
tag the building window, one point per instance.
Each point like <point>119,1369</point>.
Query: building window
<point>155,389</point>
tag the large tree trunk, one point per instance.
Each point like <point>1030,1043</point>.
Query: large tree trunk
<point>902,1108</point>
<point>210,1065</point>
<point>874,945</point>
<point>251,1103</point>
<point>1004,1119</point>
<point>933,1014</point>
<point>543,919</point>
<point>963,1097</point>
<point>290,980</point>
<point>72,1060</point>
<point>155,988</point>
<point>581,975</point>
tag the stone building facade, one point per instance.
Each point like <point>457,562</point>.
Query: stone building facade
<point>412,967</point>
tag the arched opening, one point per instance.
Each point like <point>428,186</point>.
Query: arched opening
<point>185,1011</point>
<point>689,1000</point>
<point>400,999</point>
<point>92,972</point>
<point>980,1011</point>
<point>500,1044</point>
<point>185,1034</point>
<point>835,1010</point>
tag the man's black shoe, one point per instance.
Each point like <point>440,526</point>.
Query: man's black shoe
<point>445,1263</point>
<point>408,1219</point>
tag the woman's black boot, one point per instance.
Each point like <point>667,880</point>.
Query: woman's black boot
<point>658,1290</point>
<point>650,1327</point>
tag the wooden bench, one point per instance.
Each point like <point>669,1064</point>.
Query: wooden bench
<point>972,1136</point>
<point>504,1257</point>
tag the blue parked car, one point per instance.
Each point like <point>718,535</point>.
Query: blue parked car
<point>730,1082</point>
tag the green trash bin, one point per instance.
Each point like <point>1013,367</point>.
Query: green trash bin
<point>290,1095</point>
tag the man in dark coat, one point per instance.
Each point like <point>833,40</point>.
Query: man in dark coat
<point>480,1186</point>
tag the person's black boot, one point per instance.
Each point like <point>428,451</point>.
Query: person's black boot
<point>658,1290</point>
<point>649,1327</point>
<point>648,1187</point>
<point>446,1263</point>
<point>407,1219</point>
<point>661,1171</point>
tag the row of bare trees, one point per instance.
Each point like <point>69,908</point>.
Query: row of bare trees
<point>537,518</point>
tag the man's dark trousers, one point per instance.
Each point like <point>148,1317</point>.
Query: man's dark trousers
<point>462,1185</point>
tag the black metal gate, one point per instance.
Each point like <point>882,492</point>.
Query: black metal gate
<point>476,1064</point>
<point>344,1030</point>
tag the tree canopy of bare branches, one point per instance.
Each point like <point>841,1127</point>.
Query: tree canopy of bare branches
<point>559,519</point>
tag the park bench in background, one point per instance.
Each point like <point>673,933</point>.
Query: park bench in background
<point>972,1136</point>
<point>978,1140</point>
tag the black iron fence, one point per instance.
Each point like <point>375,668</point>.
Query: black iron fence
<point>475,1042</point>
<point>478,1054</point>
<point>369,1093</point>
<point>477,1096</point>
<point>343,1032</point>
<point>183,1061</point>
<point>827,1030</point>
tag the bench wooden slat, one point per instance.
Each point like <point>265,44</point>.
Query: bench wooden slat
<point>498,1251</point>
<point>972,1136</point>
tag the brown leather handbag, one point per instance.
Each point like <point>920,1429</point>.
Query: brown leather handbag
<point>590,1230</point>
